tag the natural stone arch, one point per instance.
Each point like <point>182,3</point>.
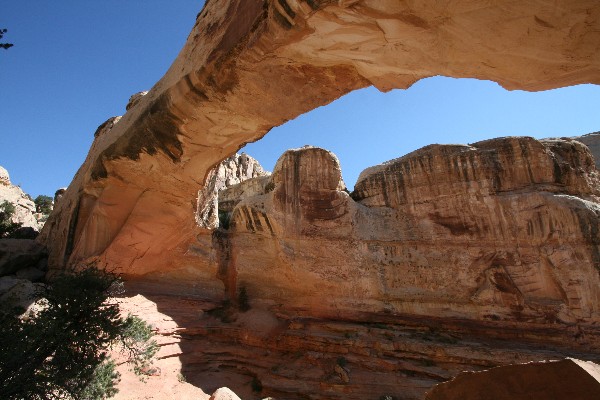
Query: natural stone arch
<point>250,65</point>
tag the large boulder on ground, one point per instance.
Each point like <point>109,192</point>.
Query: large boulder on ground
<point>20,294</point>
<point>16,254</point>
<point>556,380</point>
<point>224,394</point>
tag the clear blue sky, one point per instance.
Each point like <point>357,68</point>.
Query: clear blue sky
<point>75,63</point>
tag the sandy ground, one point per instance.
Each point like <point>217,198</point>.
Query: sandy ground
<point>169,384</point>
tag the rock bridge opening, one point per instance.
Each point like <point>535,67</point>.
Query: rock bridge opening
<point>519,258</point>
<point>251,65</point>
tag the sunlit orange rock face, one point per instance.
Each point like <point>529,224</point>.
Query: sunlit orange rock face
<point>494,243</point>
<point>250,65</point>
<point>504,229</point>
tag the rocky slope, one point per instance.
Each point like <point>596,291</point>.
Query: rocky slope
<point>25,211</point>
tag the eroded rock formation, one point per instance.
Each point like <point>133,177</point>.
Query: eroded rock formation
<point>250,65</point>
<point>447,259</point>
<point>25,212</point>
<point>505,229</point>
<point>231,171</point>
<point>566,379</point>
<point>451,258</point>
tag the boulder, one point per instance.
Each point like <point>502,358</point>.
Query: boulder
<point>224,394</point>
<point>24,295</point>
<point>552,380</point>
<point>135,99</point>
<point>17,254</point>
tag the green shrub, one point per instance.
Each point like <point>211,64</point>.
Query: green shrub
<point>243,301</point>
<point>256,385</point>
<point>44,204</point>
<point>62,351</point>
<point>8,228</point>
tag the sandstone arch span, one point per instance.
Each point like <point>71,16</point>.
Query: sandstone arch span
<point>249,65</point>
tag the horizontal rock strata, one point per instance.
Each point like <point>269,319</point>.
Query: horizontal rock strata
<point>505,229</point>
<point>451,258</point>
<point>498,238</point>
<point>250,65</point>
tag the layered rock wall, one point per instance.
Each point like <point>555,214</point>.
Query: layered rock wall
<point>505,229</point>
<point>250,65</point>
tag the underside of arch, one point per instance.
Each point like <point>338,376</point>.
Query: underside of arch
<point>250,65</point>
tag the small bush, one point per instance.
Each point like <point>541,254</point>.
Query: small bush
<point>256,385</point>
<point>62,351</point>
<point>44,204</point>
<point>8,228</point>
<point>243,301</point>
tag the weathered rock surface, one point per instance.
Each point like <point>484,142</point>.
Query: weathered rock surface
<point>292,357</point>
<point>448,259</point>
<point>250,65</point>
<point>559,380</point>
<point>17,254</point>
<point>231,171</point>
<point>505,262</point>
<point>25,212</point>
<point>505,229</point>
<point>592,141</point>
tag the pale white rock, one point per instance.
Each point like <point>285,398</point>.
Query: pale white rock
<point>24,205</point>
<point>135,99</point>
<point>4,176</point>
<point>231,171</point>
<point>224,394</point>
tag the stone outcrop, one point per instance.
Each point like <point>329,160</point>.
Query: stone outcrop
<point>25,211</point>
<point>448,259</point>
<point>251,65</point>
<point>289,356</point>
<point>231,171</point>
<point>135,99</point>
<point>16,254</point>
<point>500,230</point>
<point>566,379</point>
<point>592,141</point>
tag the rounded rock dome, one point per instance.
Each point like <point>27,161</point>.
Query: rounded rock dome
<point>4,177</point>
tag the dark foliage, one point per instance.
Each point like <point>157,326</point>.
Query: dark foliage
<point>4,45</point>
<point>243,300</point>
<point>7,227</point>
<point>61,352</point>
<point>44,204</point>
